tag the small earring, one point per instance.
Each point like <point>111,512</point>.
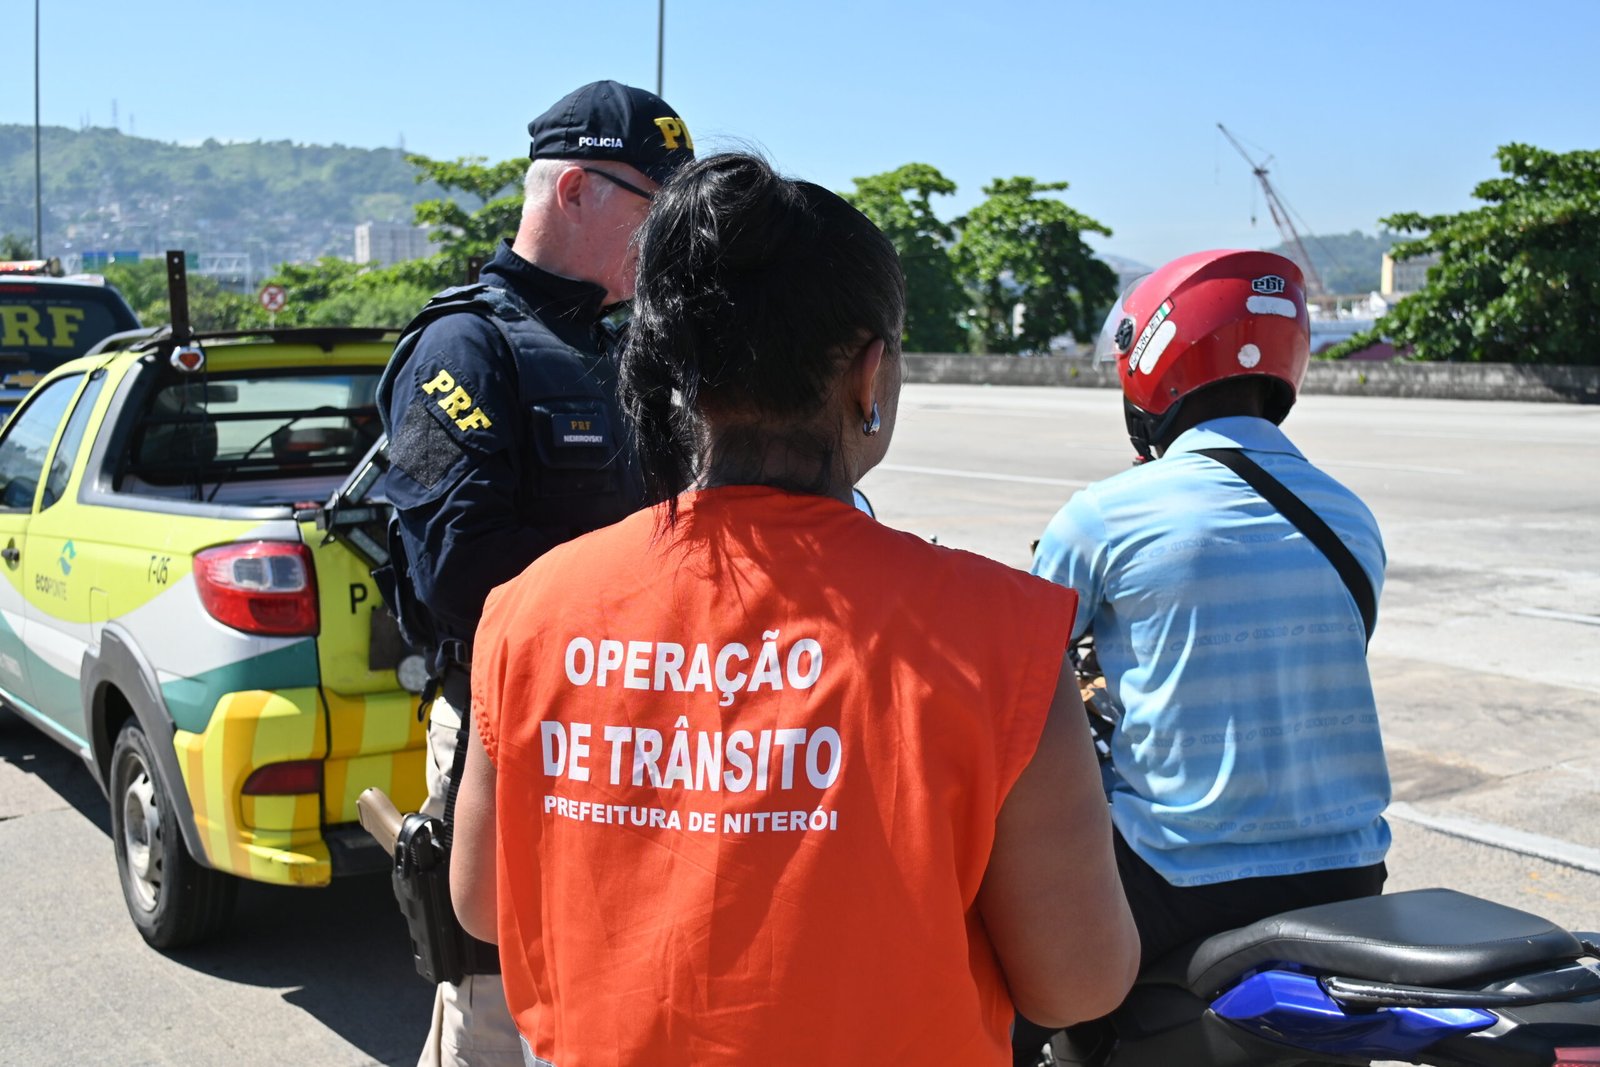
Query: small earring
<point>871,426</point>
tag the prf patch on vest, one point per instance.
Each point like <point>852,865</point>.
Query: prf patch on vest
<point>455,401</point>
<point>582,430</point>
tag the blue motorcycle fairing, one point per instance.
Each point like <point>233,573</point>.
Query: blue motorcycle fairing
<point>1292,1008</point>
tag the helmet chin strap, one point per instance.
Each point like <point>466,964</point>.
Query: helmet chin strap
<point>1145,429</point>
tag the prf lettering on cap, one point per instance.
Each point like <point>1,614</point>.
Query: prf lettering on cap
<point>456,400</point>
<point>673,128</point>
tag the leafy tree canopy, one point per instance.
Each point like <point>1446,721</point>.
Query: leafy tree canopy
<point>899,203</point>
<point>1021,247</point>
<point>966,278</point>
<point>330,292</point>
<point>333,292</point>
<point>460,232</point>
<point>144,286</point>
<point>1518,280</point>
<point>14,247</point>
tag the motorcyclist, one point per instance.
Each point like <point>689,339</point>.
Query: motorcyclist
<point>1247,774</point>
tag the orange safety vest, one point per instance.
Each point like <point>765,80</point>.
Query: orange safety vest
<point>748,772</point>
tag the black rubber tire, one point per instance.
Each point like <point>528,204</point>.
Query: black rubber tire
<point>172,899</point>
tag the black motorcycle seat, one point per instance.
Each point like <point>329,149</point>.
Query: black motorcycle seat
<point>1427,937</point>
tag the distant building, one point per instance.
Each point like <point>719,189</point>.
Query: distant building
<point>1400,277</point>
<point>1342,318</point>
<point>383,243</point>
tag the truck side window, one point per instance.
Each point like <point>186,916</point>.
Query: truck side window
<point>71,441</point>
<point>27,442</point>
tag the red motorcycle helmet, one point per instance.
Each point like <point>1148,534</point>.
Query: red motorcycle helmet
<point>1199,320</point>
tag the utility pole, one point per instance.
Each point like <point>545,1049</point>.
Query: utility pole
<point>38,166</point>
<point>661,34</point>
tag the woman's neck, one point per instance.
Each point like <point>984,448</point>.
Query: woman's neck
<point>800,461</point>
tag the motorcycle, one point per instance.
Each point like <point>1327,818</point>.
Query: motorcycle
<point>1430,976</point>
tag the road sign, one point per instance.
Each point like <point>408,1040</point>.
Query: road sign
<point>272,298</point>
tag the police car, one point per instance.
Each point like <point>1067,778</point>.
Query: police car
<point>46,320</point>
<point>171,611</point>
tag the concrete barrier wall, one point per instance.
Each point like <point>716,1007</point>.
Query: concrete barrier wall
<point>1445,381</point>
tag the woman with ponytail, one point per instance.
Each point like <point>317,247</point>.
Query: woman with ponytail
<point>757,779</point>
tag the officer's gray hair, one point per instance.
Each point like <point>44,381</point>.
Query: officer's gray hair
<point>539,185</point>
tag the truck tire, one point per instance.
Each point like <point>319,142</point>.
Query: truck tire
<point>172,899</point>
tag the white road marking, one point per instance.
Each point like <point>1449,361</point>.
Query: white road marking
<point>988,476</point>
<point>1563,616</point>
<point>1504,837</point>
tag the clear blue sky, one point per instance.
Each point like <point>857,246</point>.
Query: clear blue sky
<point>1367,108</point>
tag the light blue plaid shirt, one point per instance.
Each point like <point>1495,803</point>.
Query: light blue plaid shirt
<point>1249,743</point>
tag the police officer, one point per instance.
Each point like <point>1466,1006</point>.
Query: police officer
<point>506,438</point>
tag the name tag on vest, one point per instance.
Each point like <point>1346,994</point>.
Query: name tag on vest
<point>587,430</point>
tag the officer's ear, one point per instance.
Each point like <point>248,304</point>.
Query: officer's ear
<point>572,190</point>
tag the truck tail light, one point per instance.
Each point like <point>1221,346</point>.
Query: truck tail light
<point>264,587</point>
<point>284,779</point>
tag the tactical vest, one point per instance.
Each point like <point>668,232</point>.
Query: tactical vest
<point>582,475</point>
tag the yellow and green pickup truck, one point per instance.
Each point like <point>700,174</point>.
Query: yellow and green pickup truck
<point>171,611</point>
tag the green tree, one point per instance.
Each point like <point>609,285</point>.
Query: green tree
<point>1018,247</point>
<point>14,247</point>
<point>144,286</point>
<point>1517,279</point>
<point>334,292</point>
<point>462,232</point>
<point>899,203</point>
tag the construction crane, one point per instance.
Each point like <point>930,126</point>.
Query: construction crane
<point>1280,216</point>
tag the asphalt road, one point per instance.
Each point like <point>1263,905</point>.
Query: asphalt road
<point>1487,659</point>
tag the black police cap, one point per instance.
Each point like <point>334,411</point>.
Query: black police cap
<point>609,120</point>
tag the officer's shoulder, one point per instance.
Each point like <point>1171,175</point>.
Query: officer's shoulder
<point>491,316</point>
<point>452,322</point>
<point>471,328</point>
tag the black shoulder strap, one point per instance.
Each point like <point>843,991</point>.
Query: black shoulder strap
<point>1307,522</point>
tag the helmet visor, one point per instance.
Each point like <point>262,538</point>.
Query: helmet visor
<point>1116,338</point>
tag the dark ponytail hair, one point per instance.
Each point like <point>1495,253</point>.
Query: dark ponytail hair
<point>753,291</point>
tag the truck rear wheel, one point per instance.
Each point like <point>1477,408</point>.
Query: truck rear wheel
<point>172,899</point>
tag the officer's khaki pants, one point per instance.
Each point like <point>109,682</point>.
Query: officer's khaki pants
<point>471,1024</point>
